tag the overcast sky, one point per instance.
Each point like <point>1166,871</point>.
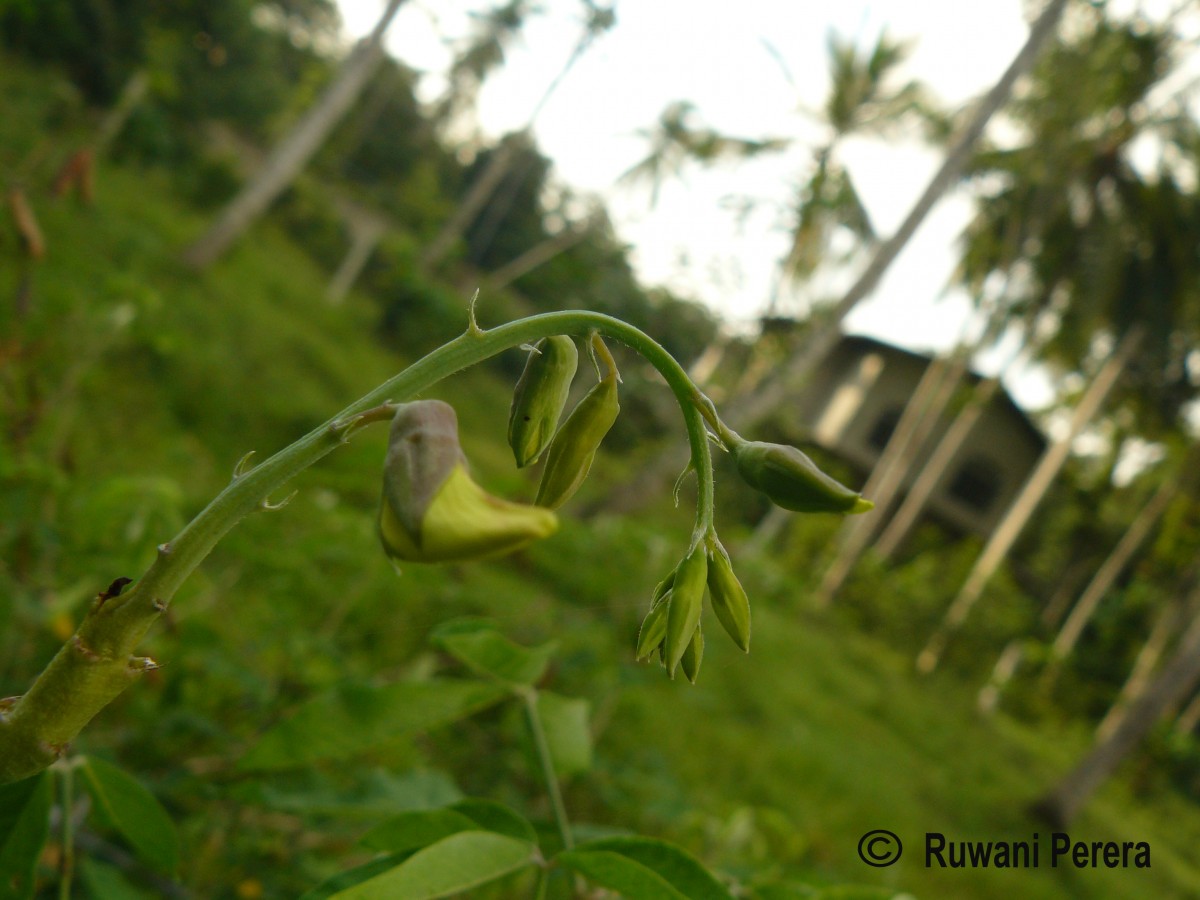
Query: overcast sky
<point>715,54</point>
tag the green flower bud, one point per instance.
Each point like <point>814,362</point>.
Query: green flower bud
<point>684,607</point>
<point>662,588</point>
<point>432,510</point>
<point>540,396</point>
<point>792,480</point>
<point>570,456</point>
<point>653,630</point>
<point>692,656</point>
<point>728,599</point>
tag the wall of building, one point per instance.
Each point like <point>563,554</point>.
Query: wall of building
<point>856,399</point>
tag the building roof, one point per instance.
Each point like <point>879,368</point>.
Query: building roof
<point>861,344</point>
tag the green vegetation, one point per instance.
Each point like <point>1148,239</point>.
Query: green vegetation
<point>131,387</point>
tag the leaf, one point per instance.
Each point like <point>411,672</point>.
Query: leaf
<point>355,717</point>
<point>416,829</point>
<point>452,865</point>
<point>480,647</point>
<point>105,882</point>
<point>492,816</point>
<point>372,794</point>
<point>860,892</point>
<point>621,874</point>
<point>565,721</point>
<point>333,886</point>
<point>129,807</point>
<point>24,827</point>
<point>633,863</point>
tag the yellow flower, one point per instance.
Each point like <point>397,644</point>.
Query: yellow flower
<point>432,510</point>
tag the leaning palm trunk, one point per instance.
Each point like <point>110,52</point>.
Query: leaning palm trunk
<point>365,236</point>
<point>1026,503</point>
<point>114,121</point>
<point>289,157</point>
<point>921,414</point>
<point>539,254</point>
<point>901,524</point>
<point>801,365</point>
<point>1108,573</point>
<point>1168,624</point>
<point>1100,584</point>
<point>1003,672</point>
<point>478,194</point>
<point>501,163</point>
<point>946,451</point>
<point>1171,687</point>
<point>797,368</point>
<point>1190,717</point>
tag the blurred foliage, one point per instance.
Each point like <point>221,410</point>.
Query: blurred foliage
<point>130,386</point>
<point>1076,223</point>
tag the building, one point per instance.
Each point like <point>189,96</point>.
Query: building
<point>855,400</point>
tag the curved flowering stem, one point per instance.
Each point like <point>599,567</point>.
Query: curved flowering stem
<point>96,664</point>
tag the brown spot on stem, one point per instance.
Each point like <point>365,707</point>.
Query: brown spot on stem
<point>84,650</point>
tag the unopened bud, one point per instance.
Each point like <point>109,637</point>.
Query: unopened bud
<point>728,599</point>
<point>653,630</point>
<point>661,589</point>
<point>685,605</point>
<point>693,655</point>
<point>540,396</point>
<point>792,480</point>
<point>570,456</point>
<point>432,510</point>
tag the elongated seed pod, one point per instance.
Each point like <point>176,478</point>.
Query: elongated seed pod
<point>685,605</point>
<point>570,456</point>
<point>693,655</point>
<point>540,396</point>
<point>792,480</point>
<point>728,599</point>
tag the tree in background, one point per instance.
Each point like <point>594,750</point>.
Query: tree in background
<point>1100,243</point>
<point>508,164</point>
<point>293,152</point>
<point>798,364</point>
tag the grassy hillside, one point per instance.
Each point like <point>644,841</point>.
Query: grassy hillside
<point>138,384</point>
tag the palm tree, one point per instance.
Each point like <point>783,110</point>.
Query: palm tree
<point>1102,245</point>
<point>677,140</point>
<point>1170,621</point>
<point>1170,688</point>
<point>289,157</point>
<point>771,394</point>
<point>866,98</point>
<point>801,363</point>
<point>1026,503</point>
<point>1108,573</point>
<point>485,53</point>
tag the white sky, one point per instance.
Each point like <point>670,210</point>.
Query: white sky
<point>712,53</point>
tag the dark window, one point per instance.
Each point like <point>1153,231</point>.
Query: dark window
<point>977,484</point>
<point>881,431</point>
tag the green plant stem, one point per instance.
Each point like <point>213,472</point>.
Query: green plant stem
<point>530,697</point>
<point>95,664</point>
